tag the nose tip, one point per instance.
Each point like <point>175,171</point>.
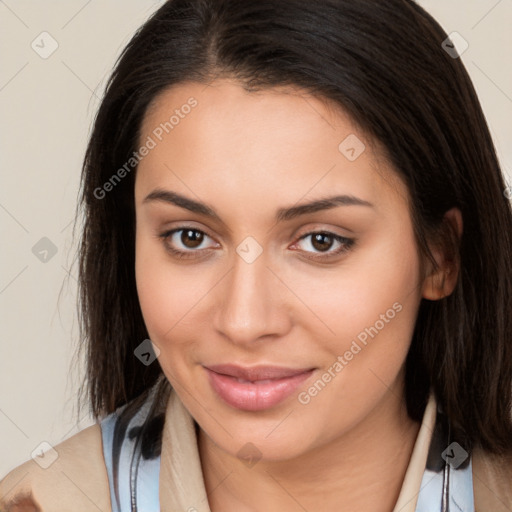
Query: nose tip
<point>249,303</point>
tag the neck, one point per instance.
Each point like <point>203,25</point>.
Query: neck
<point>363,469</point>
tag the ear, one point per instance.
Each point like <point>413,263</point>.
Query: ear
<point>440,282</point>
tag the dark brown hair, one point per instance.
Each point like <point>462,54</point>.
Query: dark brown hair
<point>383,63</point>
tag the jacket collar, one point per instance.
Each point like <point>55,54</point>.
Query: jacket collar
<point>181,479</point>
<point>408,496</point>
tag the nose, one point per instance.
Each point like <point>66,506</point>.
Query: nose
<point>251,304</point>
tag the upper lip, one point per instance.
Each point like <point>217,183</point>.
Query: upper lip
<point>254,373</point>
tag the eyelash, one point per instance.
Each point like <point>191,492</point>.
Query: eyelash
<point>346,243</point>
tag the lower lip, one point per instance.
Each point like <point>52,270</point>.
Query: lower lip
<point>256,396</point>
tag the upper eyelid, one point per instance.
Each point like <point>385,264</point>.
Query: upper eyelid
<point>324,231</point>
<point>309,231</point>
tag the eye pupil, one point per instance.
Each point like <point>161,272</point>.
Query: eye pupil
<point>319,241</point>
<point>191,238</point>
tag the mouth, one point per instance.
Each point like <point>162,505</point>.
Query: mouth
<point>255,388</point>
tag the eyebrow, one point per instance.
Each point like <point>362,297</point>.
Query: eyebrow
<point>282,214</point>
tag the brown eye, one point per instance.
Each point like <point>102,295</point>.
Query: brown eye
<point>322,241</point>
<point>324,244</point>
<point>191,238</point>
<point>187,242</point>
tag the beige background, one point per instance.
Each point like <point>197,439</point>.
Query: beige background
<point>46,108</point>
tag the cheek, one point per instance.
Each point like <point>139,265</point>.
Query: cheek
<point>166,296</point>
<point>372,308</point>
<point>375,287</point>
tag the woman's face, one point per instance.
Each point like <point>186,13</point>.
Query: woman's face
<point>278,323</point>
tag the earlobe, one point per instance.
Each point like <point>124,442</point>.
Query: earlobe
<point>441,282</point>
<point>438,285</point>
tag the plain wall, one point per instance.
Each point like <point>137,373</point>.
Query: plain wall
<point>47,106</point>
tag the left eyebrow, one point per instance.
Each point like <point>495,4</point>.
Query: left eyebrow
<point>326,203</point>
<point>282,214</point>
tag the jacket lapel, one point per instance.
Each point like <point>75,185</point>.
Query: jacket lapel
<point>181,478</point>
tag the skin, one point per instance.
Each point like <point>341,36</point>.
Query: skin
<point>247,154</point>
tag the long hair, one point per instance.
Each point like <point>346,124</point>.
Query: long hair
<point>384,64</point>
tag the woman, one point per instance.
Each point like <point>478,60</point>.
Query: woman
<point>295,272</point>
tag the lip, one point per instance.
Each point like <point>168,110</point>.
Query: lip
<point>255,388</point>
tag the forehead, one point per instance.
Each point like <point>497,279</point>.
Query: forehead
<point>225,108</point>
<point>220,138</point>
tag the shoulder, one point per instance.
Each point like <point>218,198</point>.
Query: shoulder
<point>76,480</point>
<point>492,482</point>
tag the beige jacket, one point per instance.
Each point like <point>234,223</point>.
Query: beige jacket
<point>77,481</point>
